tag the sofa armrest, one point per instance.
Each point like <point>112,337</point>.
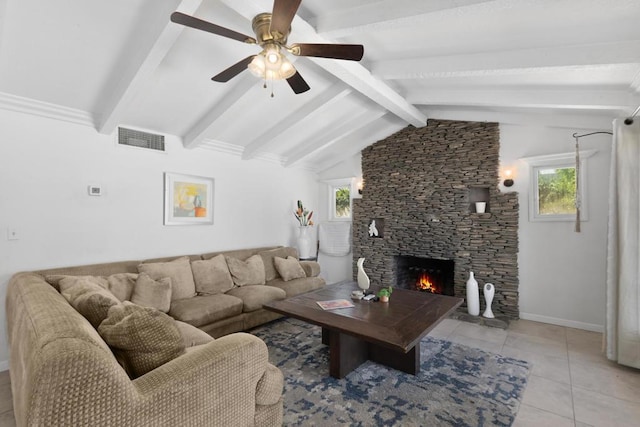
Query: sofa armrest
<point>270,386</point>
<point>217,381</point>
<point>311,268</point>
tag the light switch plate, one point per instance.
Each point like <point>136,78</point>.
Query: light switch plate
<point>12,234</point>
<point>95,190</point>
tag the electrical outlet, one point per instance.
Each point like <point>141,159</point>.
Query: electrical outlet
<point>12,234</point>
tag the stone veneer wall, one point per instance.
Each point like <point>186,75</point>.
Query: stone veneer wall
<point>421,183</point>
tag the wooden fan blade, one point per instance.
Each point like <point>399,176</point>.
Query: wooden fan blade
<point>298,84</point>
<point>282,15</point>
<point>351,52</point>
<point>199,24</point>
<point>233,71</point>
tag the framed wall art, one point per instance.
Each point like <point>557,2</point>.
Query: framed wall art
<point>188,199</point>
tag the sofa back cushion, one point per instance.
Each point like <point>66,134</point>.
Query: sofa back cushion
<point>152,293</point>
<point>249,272</point>
<point>179,270</point>
<point>88,297</point>
<point>212,276</point>
<point>144,338</point>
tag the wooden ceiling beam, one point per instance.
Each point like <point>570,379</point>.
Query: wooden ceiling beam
<point>137,65</point>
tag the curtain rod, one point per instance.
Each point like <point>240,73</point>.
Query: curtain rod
<point>629,120</point>
<point>576,136</point>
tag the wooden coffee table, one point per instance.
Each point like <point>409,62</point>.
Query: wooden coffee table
<point>386,333</point>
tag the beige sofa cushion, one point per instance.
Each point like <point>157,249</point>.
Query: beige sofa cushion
<point>88,298</point>
<point>289,268</point>
<point>122,284</point>
<point>179,270</point>
<point>298,286</point>
<point>253,296</point>
<point>268,256</point>
<point>212,276</point>
<point>249,272</point>
<point>152,293</point>
<point>192,336</point>
<point>144,337</point>
<point>205,309</point>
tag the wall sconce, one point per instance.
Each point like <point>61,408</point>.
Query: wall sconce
<point>508,180</point>
<point>359,186</point>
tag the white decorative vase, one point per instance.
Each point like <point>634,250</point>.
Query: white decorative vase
<point>305,243</point>
<point>363,279</point>
<point>481,207</point>
<point>489,291</point>
<point>473,296</point>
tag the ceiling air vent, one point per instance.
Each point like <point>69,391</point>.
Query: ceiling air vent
<point>136,138</point>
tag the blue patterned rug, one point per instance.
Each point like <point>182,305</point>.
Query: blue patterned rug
<point>457,385</point>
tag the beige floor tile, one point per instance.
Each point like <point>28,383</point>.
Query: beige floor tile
<point>475,342</point>
<point>528,416</point>
<point>6,401</point>
<point>550,396</point>
<point>612,380</point>
<point>493,335</point>
<point>579,424</point>
<point>540,330</point>
<point>7,419</point>
<point>598,410</point>
<point>444,328</point>
<point>553,368</point>
<point>535,344</point>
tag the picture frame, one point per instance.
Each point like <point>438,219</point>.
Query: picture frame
<point>188,199</point>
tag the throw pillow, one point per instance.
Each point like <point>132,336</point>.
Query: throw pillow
<point>268,257</point>
<point>152,293</point>
<point>249,272</point>
<point>178,270</point>
<point>62,282</point>
<point>88,298</point>
<point>143,337</point>
<point>289,268</point>
<point>212,276</point>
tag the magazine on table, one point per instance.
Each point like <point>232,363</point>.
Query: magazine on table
<point>335,303</point>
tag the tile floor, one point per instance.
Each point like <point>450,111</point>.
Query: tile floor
<point>571,383</point>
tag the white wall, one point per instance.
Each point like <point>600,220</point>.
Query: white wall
<point>336,269</point>
<point>562,273</point>
<point>46,166</point>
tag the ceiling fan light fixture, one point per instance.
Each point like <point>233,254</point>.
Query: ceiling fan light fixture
<point>270,64</point>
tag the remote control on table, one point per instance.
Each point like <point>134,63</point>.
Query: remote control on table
<point>369,297</point>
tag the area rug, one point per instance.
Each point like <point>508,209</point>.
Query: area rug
<point>457,385</point>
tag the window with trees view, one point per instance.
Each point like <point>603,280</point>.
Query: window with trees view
<point>557,191</point>
<point>342,197</point>
<point>339,199</point>
<point>553,187</point>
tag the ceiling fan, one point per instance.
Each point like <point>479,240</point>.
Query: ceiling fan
<point>272,31</point>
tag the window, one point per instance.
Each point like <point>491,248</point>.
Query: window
<point>340,200</point>
<point>553,187</point>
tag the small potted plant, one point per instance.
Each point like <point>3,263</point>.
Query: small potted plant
<point>385,293</point>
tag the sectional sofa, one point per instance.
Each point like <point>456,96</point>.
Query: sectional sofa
<point>67,368</point>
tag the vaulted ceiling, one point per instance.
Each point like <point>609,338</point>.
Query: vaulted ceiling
<point>122,62</point>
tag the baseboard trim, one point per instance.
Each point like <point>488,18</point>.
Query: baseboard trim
<point>563,322</point>
<point>4,365</point>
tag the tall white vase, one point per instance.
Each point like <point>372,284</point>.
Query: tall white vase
<point>363,279</point>
<point>473,296</point>
<point>489,291</point>
<point>305,243</point>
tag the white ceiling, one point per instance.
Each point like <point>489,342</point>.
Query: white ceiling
<point>122,62</point>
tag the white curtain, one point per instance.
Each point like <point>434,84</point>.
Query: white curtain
<point>622,329</point>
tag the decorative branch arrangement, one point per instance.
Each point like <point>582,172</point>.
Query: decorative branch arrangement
<point>303,215</point>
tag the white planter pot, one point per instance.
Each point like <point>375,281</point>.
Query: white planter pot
<point>305,243</point>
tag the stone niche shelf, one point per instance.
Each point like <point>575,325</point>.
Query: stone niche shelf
<point>424,183</point>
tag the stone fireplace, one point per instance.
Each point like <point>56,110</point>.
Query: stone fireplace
<point>422,184</point>
<point>425,274</point>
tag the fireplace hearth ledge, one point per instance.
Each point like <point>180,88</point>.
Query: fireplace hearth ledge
<point>498,322</point>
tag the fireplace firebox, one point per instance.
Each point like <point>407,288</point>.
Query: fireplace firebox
<point>425,274</point>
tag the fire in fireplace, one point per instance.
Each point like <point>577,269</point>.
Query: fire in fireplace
<point>425,274</point>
